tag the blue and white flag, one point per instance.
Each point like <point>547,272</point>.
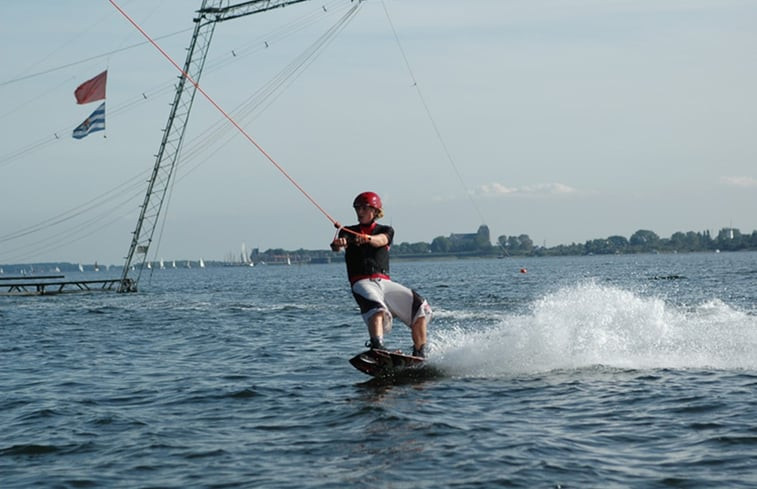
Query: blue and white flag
<point>95,122</point>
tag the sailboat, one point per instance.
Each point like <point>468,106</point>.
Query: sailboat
<point>245,256</point>
<point>162,265</point>
<point>202,263</point>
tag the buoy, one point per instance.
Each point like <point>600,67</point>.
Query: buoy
<point>523,270</point>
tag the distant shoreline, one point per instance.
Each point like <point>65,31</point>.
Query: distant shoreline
<point>32,269</point>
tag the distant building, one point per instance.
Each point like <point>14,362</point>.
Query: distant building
<point>469,242</point>
<point>475,240</point>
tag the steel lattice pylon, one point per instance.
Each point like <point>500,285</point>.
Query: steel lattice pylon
<point>210,13</point>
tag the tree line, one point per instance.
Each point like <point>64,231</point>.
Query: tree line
<point>642,241</point>
<point>479,244</point>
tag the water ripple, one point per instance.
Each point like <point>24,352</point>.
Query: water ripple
<point>584,373</point>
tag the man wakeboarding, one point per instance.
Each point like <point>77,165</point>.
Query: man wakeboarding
<point>366,246</point>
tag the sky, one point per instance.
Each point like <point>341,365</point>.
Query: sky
<point>564,120</point>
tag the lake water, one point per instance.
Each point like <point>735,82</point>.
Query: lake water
<point>602,371</point>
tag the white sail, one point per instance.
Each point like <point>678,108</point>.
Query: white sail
<point>246,256</point>
<point>243,256</point>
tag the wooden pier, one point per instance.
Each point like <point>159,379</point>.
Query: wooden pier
<point>55,284</point>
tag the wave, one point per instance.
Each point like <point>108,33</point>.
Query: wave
<point>590,324</point>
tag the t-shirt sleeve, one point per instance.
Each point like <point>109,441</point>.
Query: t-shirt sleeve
<point>389,231</point>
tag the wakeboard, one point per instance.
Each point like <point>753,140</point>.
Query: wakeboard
<point>385,363</point>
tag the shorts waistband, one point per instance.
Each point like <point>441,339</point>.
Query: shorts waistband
<point>374,276</point>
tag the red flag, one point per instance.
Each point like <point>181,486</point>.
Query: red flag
<point>91,90</point>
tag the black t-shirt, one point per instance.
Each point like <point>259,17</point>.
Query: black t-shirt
<point>366,260</point>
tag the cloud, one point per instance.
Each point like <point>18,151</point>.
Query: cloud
<point>496,189</point>
<point>743,182</point>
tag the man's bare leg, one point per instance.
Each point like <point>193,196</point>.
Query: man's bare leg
<point>418,330</point>
<point>376,330</point>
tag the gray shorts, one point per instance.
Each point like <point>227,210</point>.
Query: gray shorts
<point>390,298</point>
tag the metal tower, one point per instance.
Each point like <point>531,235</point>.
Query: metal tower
<point>211,12</point>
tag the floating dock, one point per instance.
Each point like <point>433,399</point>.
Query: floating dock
<point>54,284</point>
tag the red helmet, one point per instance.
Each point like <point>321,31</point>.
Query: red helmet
<point>370,199</point>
